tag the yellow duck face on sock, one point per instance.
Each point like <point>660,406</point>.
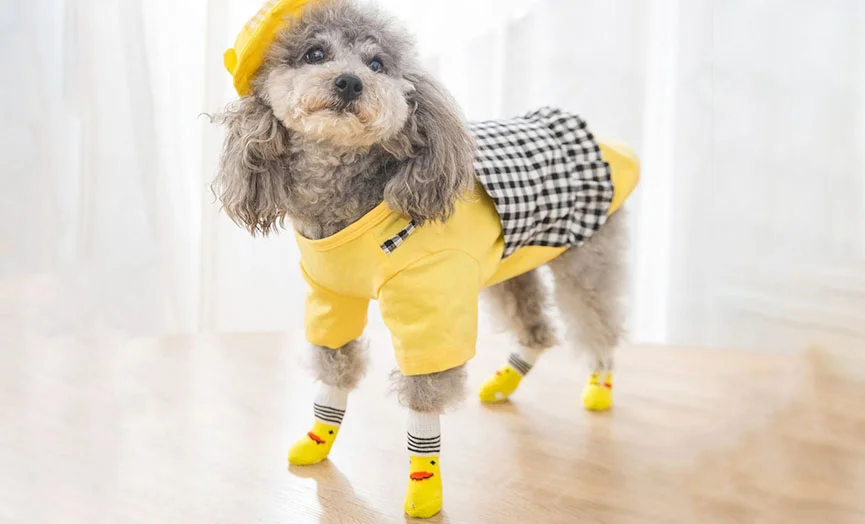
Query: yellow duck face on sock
<point>315,446</point>
<point>598,394</point>
<point>500,386</point>
<point>423,498</point>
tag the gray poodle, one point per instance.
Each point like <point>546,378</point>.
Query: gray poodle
<point>340,120</point>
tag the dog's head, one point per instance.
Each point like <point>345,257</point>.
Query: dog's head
<point>344,76</point>
<point>340,75</point>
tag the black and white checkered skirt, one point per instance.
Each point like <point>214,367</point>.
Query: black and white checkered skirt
<point>545,173</point>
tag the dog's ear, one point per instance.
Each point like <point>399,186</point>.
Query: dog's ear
<point>435,153</point>
<point>253,178</point>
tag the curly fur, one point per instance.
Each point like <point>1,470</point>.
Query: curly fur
<point>293,150</point>
<point>252,182</point>
<point>590,287</point>
<point>522,304</point>
<point>342,368</point>
<point>432,393</point>
<point>438,165</point>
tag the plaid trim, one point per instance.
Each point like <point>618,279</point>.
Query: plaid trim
<point>389,245</point>
<point>545,173</point>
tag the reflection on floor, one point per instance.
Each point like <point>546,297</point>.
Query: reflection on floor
<point>195,430</point>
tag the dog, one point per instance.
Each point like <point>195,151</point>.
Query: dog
<point>341,131</point>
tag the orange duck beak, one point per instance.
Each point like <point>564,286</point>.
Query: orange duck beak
<point>315,438</point>
<point>420,475</point>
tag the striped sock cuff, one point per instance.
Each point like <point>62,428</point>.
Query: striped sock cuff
<point>424,434</point>
<point>330,404</point>
<point>328,415</point>
<point>424,446</point>
<point>516,362</point>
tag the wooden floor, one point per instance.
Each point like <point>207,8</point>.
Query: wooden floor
<point>195,430</point>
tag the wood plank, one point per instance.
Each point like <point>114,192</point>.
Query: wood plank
<point>195,429</point>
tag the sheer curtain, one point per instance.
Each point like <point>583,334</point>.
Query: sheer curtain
<point>748,225</point>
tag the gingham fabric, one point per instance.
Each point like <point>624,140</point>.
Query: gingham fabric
<point>545,173</point>
<point>393,242</point>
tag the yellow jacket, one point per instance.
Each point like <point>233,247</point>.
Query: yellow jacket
<point>428,286</point>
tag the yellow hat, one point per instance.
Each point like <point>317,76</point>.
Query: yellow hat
<point>247,55</point>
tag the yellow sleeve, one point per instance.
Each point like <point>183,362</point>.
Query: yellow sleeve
<point>332,320</point>
<point>431,310</point>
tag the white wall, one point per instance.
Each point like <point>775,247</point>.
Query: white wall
<point>770,139</point>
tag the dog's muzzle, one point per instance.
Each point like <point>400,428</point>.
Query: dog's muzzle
<point>348,88</point>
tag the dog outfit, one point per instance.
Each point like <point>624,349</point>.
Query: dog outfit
<point>544,185</point>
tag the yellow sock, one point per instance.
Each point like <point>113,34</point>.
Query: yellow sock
<point>502,385</point>
<point>315,446</point>
<point>597,395</point>
<point>329,409</point>
<point>423,498</point>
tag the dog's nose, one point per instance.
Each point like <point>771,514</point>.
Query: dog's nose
<point>348,87</point>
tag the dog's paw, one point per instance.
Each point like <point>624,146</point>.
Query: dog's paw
<point>314,447</point>
<point>597,395</point>
<point>500,386</point>
<point>423,498</point>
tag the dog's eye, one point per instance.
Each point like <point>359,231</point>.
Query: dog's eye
<point>315,55</point>
<point>376,65</point>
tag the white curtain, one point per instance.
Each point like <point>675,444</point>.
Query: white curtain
<point>749,117</point>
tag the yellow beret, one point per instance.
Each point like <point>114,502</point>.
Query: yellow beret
<point>245,58</point>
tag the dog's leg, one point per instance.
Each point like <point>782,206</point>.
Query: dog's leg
<point>522,304</point>
<point>426,397</point>
<point>339,371</point>
<point>590,282</point>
